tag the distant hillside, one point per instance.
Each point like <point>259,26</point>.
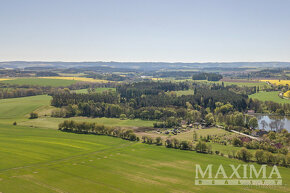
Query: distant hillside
<point>140,66</point>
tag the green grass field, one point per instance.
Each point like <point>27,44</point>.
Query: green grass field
<point>200,132</point>
<point>250,84</point>
<point>52,123</point>
<point>40,82</point>
<point>47,160</point>
<point>17,109</point>
<point>269,96</point>
<point>226,83</point>
<point>97,90</point>
<point>43,160</point>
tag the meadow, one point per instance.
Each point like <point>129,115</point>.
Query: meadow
<point>269,96</point>
<point>40,82</point>
<point>52,123</point>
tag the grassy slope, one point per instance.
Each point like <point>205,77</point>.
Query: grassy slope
<point>40,82</point>
<point>19,108</point>
<point>44,160</point>
<point>269,96</point>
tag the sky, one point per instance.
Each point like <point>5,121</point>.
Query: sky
<point>145,30</point>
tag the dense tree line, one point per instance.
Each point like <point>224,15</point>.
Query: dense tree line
<point>138,89</point>
<point>65,99</point>
<point>269,107</point>
<point>215,104</point>
<point>19,92</point>
<point>106,76</point>
<point>176,74</point>
<point>98,129</point>
<point>149,101</point>
<point>15,91</point>
<point>45,73</point>
<point>207,76</point>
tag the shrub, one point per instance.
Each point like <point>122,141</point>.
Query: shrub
<point>201,147</point>
<point>175,143</point>
<point>149,140</point>
<point>259,155</point>
<point>280,160</point>
<point>244,154</point>
<point>158,141</point>
<point>132,137</point>
<point>168,143</point>
<point>123,117</point>
<point>33,115</point>
<point>237,142</point>
<point>184,145</point>
<point>270,158</point>
<point>283,151</point>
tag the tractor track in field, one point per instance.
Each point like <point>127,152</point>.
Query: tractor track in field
<point>64,159</point>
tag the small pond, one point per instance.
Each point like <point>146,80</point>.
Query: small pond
<point>273,122</point>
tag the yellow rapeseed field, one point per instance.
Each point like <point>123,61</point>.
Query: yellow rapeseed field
<point>287,94</point>
<point>1,79</point>
<point>75,78</point>
<point>277,82</point>
<point>156,79</point>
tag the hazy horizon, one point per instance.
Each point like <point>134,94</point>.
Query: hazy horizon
<point>145,31</point>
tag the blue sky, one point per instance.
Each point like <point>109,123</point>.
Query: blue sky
<point>145,30</point>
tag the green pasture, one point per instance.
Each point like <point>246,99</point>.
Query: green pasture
<point>40,82</point>
<point>269,96</point>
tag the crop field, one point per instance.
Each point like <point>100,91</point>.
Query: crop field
<point>287,94</point>
<point>40,82</point>
<point>1,79</point>
<point>278,82</point>
<point>269,96</point>
<point>50,81</point>
<point>43,160</point>
<point>84,79</point>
